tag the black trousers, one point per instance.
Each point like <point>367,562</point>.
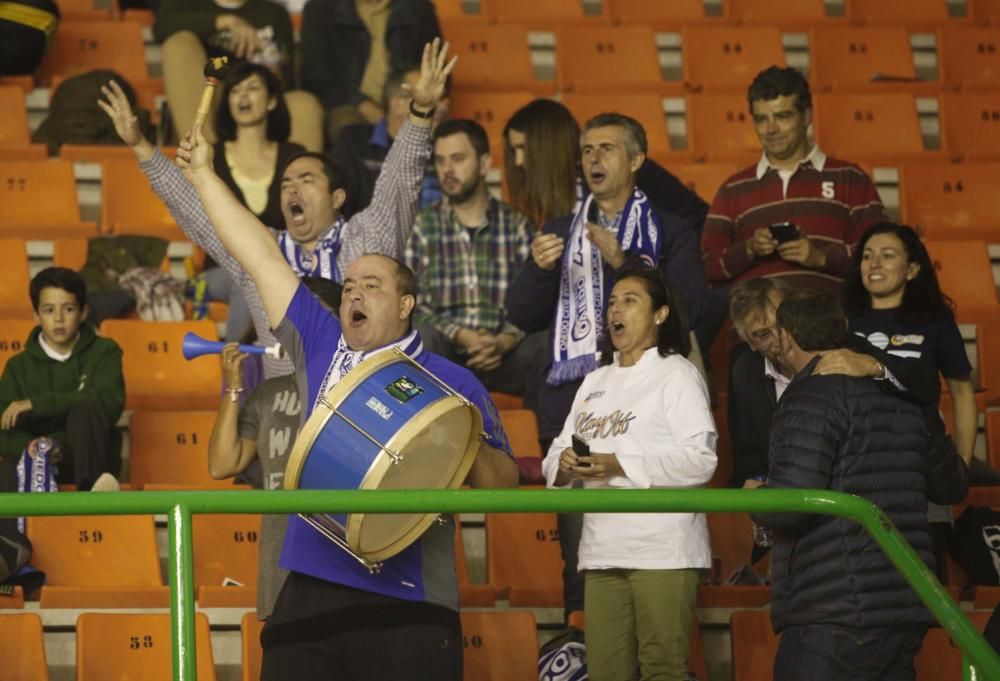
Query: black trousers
<point>367,637</point>
<point>89,446</point>
<point>833,653</point>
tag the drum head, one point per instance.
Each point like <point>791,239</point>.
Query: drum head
<point>438,447</point>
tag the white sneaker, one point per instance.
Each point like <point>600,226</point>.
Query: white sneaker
<point>106,483</point>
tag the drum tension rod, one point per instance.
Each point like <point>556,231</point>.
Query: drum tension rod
<point>395,456</point>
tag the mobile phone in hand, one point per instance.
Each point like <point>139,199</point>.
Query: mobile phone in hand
<point>581,448</point>
<point>784,231</point>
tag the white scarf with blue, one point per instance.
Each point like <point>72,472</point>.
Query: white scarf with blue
<point>321,262</point>
<point>583,289</point>
<point>345,359</point>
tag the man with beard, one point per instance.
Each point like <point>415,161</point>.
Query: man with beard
<point>465,249</point>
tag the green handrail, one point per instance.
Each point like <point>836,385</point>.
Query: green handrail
<point>180,506</point>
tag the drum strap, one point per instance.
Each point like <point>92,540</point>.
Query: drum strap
<point>345,359</point>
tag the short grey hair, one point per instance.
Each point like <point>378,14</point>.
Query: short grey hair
<point>635,134</point>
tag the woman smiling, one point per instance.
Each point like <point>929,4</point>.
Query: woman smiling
<point>646,418</point>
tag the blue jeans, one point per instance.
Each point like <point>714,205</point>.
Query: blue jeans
<point>834,653</point>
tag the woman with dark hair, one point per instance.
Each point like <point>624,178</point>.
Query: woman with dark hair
<point>641,421</point>
<point>543,175</point>
<point>892,298</point>
<point>252,123</point>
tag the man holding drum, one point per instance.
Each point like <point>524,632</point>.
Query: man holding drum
<point>334,618</point>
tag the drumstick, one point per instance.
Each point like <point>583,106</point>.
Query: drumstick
<point>215,71</point>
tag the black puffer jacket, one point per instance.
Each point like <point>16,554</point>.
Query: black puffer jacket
<point>844,434</point>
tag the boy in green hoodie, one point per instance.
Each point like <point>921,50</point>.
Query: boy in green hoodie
<point>64,392</point>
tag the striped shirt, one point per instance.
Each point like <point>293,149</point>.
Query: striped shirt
<point>463,272</point>
<point>381,228</point>
<point>831,201</point>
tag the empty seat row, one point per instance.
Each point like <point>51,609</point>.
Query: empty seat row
<point>667,15</point>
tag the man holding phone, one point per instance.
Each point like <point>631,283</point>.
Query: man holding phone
<point>796,212</point>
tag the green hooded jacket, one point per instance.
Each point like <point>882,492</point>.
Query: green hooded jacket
<point>92,372</point>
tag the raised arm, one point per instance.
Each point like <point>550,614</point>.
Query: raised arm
<point>243,236</point>
<point>383,227</point>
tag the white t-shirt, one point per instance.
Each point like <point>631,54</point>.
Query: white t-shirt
<point>654,416</point>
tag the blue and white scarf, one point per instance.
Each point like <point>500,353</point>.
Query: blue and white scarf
<point>345,359</point>
<point>321,262</point>
<point>34,474</point>
<point>583,290</point>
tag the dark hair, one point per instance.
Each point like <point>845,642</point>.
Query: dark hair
<point>458,126</point>
<point>673,335</point>
<point>751,300</point>
<point>635,134</point>
<point>61,278</point>
<point>552,154</point>
<point>406,281</point>
<point>279,121</point>
<point>923,299</point>
<point>328,291</point>
<point>330,169</point>
<point>814,319</point>
<point>778,81</point>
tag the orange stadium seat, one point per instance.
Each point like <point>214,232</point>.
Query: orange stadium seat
<point>645,107</point>
<point>732,540</point>
<point>86,45</point>
<point>853,58</point>
<point>491,110</point>
<point>14,132</point>
<point>802,13</point>
<point>157,377</point>
<point>720,127</point>
<point>754,644</point>
<point>915,14</point>
<point>71,253</point>
<point>31,152</point>
<point>24,648</point>
<point>26,83</point>
<point>988,355</point>
<point>83,10</point>
<point>984,11</point>
<point>969,57</point>
<point>543,15</point>
<point>494,58</point>
<point>135,646</point>
<point>100,153</point>
<point>14,300</point>
<point>469,595</point>
<point>129,206</point>
<point>704,179</point>
<point>13,336</point>
<point>951,200</point>
<point>697,664</point>
<point>451,12</point>
<point>659,15</point>
<point>507,401</point>
<point>98,561</point>
<point>171,447</point>
<point>523,561</point>
<point>971,126</point>
<point>965,274</point>
<point>226,547</point>
<point>500,645</point>
<point>38,201</point>
<point>941,660</point>
<point>603,59</point>
<point>869,126</point>
<point>13,600</point>
<point>252,655</point>
<point>521,427</point>
<point>726,59</point>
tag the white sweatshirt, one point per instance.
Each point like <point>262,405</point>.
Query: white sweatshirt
<point>654,416</point>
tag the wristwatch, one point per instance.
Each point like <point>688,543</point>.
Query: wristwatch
<point>880,371</point>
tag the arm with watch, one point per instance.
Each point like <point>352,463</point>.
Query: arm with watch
<point>228,453</point>
<point>910,379</point>
<point>384,226</point>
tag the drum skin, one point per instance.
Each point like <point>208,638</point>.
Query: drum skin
<point>388,403</point>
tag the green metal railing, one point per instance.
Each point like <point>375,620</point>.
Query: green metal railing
<point>982,661</point>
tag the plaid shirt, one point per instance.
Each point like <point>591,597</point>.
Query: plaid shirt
<point>379,228</point>
<point>463,279</point>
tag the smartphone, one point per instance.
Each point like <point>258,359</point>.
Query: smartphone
<point>784,231</point>
<point>581,448</point>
